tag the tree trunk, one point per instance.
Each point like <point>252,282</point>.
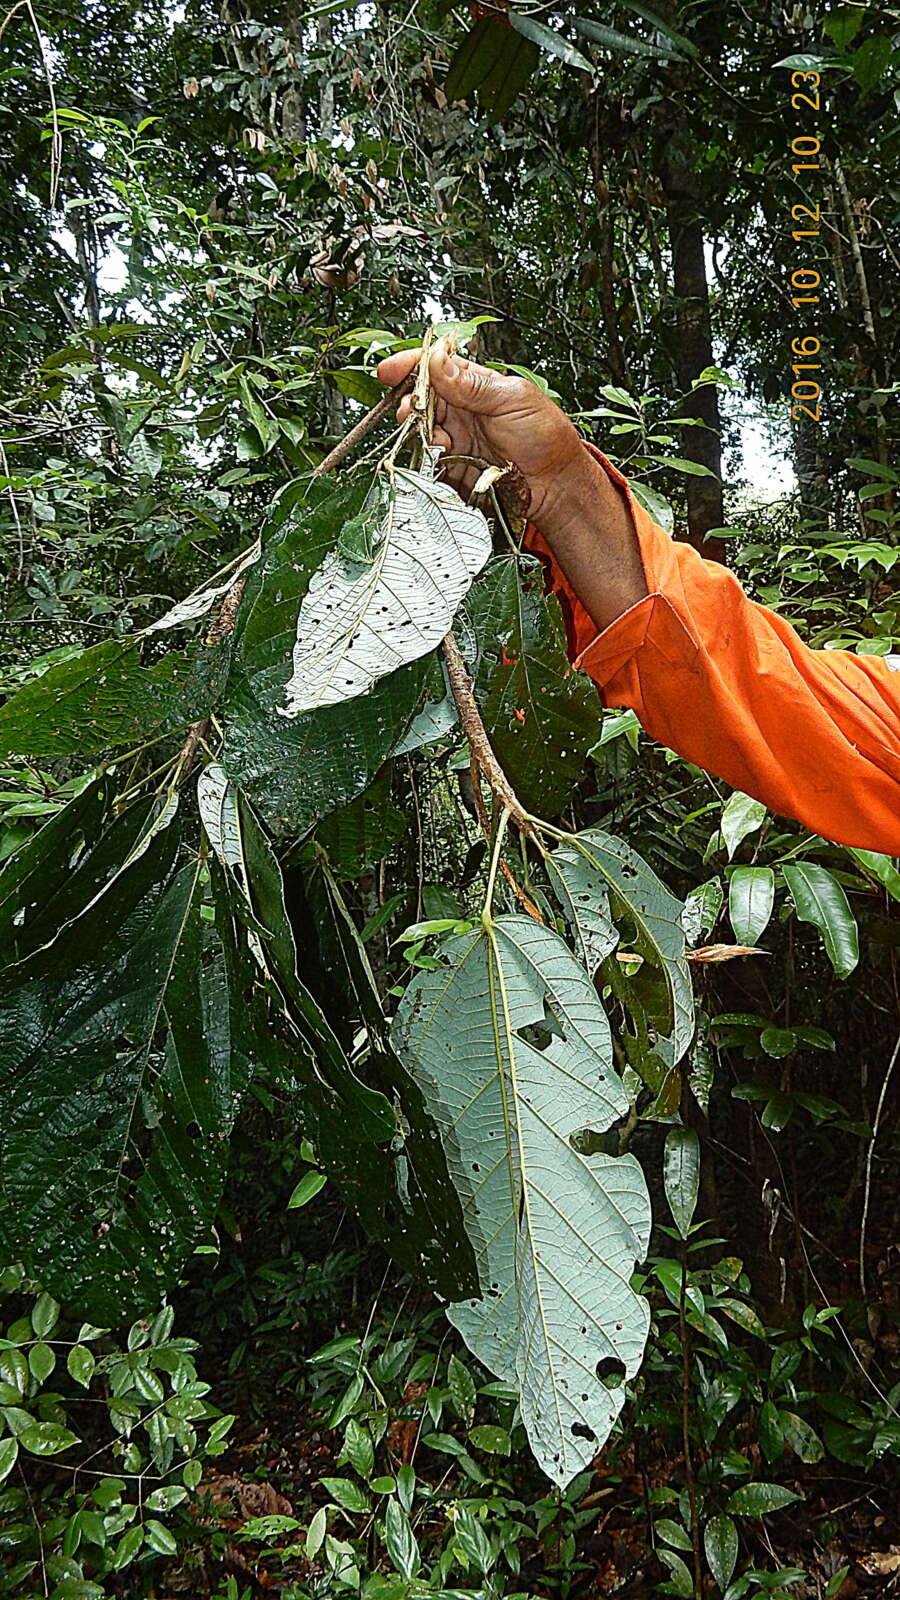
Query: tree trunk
<point>693,351</point>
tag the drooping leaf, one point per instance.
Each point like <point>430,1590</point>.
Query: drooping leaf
<point>878,867</point>
<point>541,716</point>
<point>105,696</point>
<point>482,46</point>
<point>406,1200</point>
<point>494,61</point>
<point>819,898</point>
<point>120,1078</point>
<point>681,1176</point>
<point>199,603</point>
<point>751,899</point>
<point>256,894</point>
<point>359,621</point>
<point>659,997</point>
<point>741,815</point>
<point>513,1052</point>
<point>624,43</point>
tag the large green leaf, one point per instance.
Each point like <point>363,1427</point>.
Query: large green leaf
<point>819,898</point>
<point>495,62</point>
<point>120,1079</point>
<point>513,1052</point>
<point>372,1132</point>
<point>592,866</point>
<point>296,770</point>
<point>541,716</point>
<point>105,697</point>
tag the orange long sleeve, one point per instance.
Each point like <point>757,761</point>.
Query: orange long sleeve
<point>729,685</point>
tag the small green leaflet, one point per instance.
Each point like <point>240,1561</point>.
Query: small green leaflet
<point>681,1176</point>
<point>751,899</point>
<point>513,1052</point>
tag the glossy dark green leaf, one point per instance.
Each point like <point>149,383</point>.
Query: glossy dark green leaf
<point>820,899</point>
<point>621,43</point>
<point>542,717</point>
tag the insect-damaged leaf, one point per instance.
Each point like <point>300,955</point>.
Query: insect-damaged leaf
<point>360,620</point>
<point>541,716</point>
<point>120,1073</point>
<point>297,770</point>
<point>513,1052</point>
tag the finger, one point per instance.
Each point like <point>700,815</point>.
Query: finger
<point>441,437</point>
<point>404,408</point>
<point>470,387</point>
<point>393,369</point>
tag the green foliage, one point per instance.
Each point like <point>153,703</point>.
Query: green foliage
<point>124,1430</point>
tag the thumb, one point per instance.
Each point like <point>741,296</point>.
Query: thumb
<point>468,386</point>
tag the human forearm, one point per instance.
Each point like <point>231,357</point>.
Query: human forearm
<point>587,525</point>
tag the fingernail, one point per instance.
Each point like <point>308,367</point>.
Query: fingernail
<point>451,367</point>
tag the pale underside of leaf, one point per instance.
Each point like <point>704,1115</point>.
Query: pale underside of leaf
<point>360,621</point>
<point>512,1049</point>
<point>197,604</point>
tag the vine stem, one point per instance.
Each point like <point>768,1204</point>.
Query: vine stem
<point>869,1158</point>
<point>685,1339</point>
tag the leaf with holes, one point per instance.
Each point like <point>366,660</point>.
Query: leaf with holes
<point>360,620</point>
<point>105,697</point>
<point>297,770</point>
<point>513,1051</point>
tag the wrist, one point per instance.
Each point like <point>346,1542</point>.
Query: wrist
<point>575,494</point>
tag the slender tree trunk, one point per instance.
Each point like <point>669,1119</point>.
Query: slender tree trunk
<point>605,250</point>
<point>693,352</point>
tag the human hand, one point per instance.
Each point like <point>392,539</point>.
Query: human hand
<point>495,419</point>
